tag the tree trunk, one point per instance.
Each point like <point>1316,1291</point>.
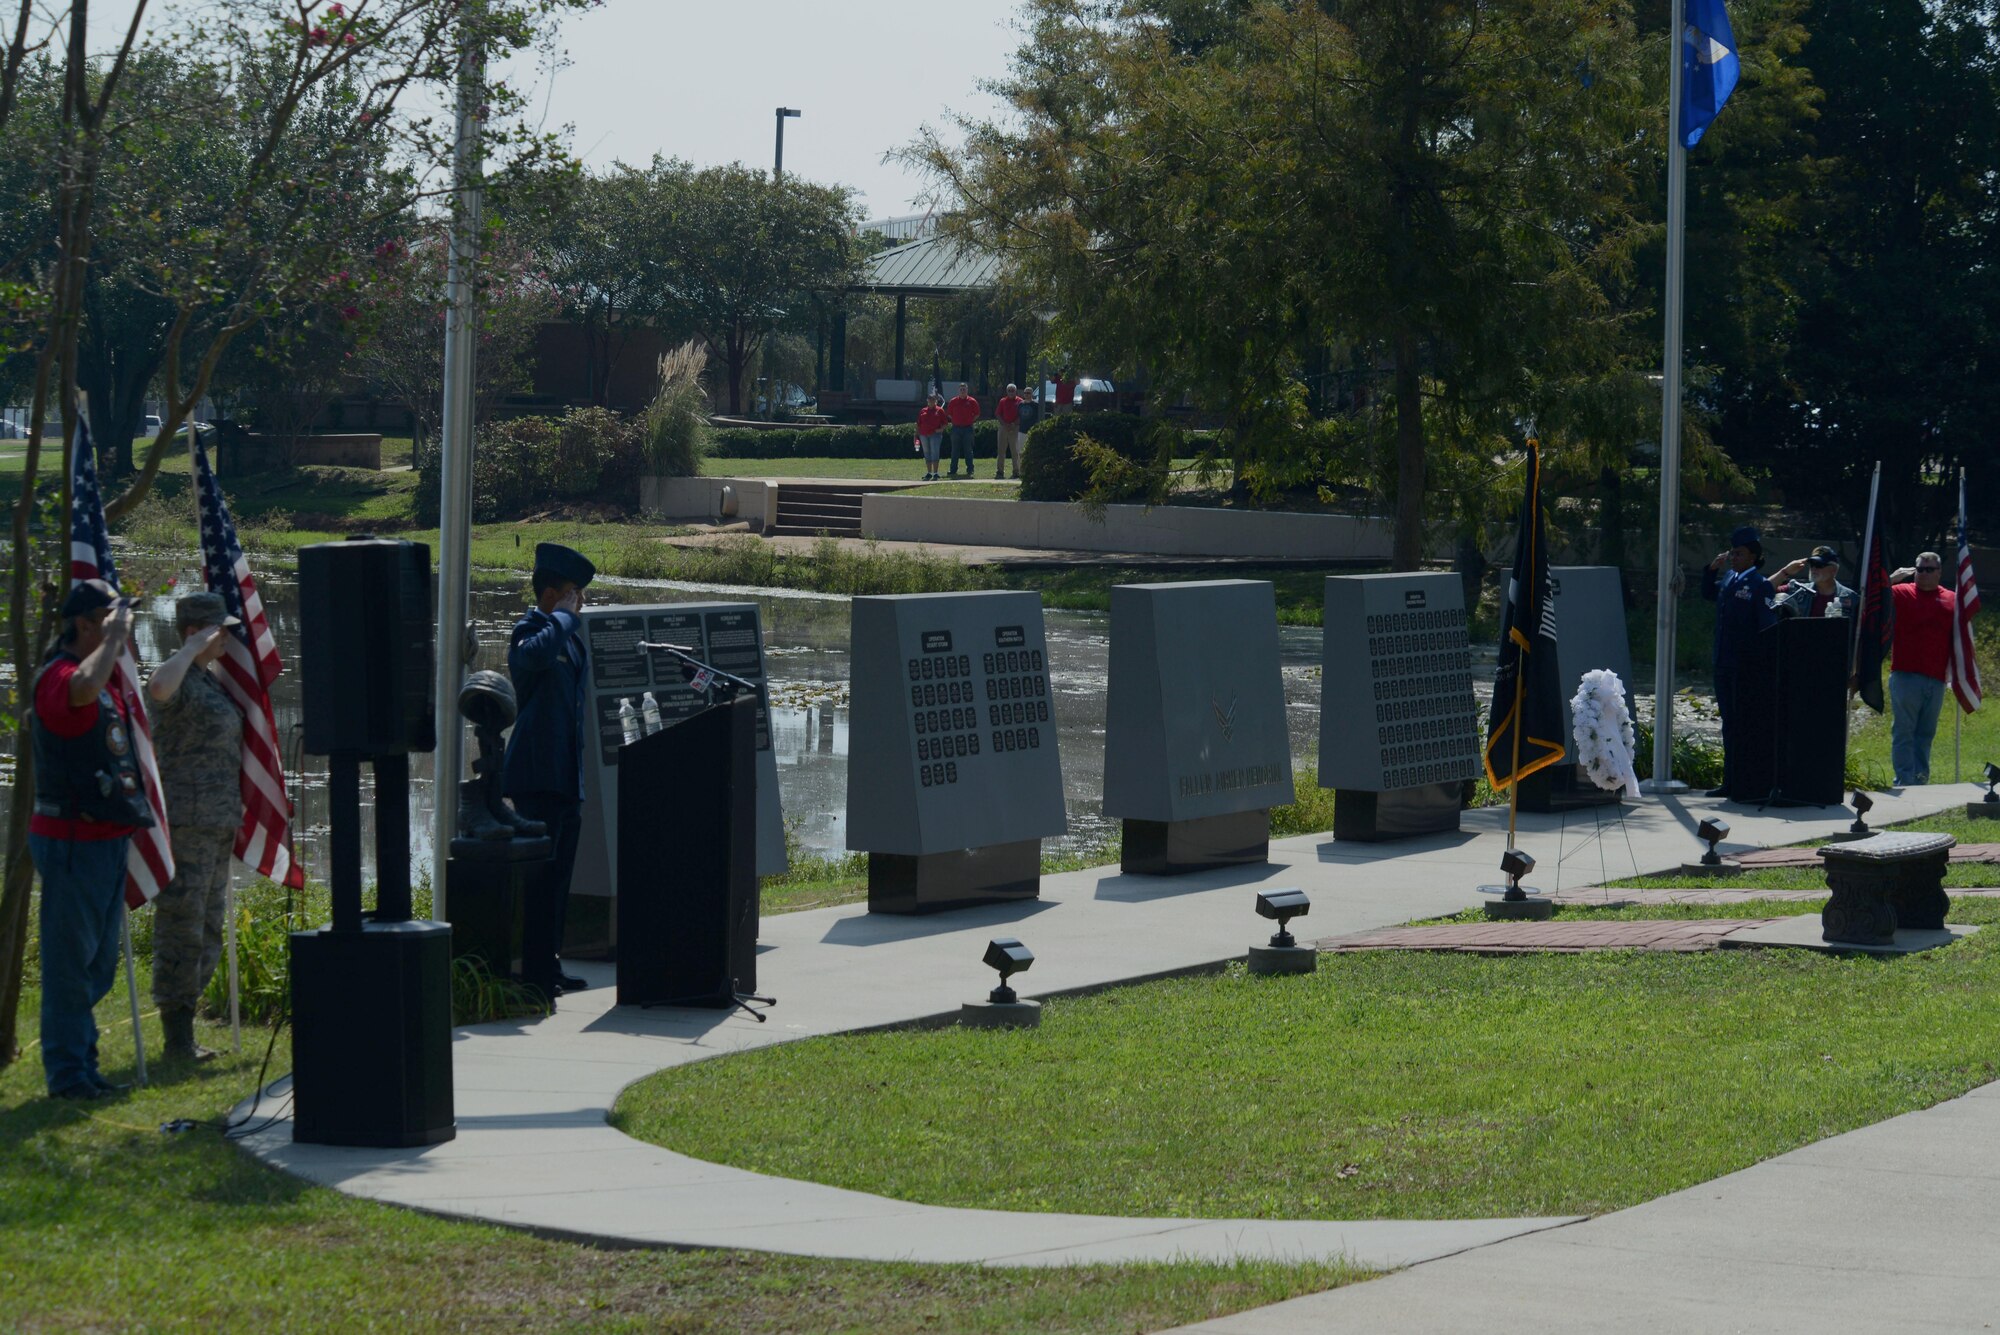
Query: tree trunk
<point>1408,549</point>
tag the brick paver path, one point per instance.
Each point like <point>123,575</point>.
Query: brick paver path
<point>1809,857</point>
<point>1596,896</point>
<point>1513,938</point>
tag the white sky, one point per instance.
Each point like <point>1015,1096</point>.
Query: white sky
<point>699,79</point>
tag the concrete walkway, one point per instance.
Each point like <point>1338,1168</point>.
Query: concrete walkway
<point>534,1149</point>
<point>1885,1229</point>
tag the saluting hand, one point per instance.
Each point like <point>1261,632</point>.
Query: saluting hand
<point>1720,559</point>
<point>571,602</point>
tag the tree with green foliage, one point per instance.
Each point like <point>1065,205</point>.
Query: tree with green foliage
<point>739,254</point>
<point>1439,188</point>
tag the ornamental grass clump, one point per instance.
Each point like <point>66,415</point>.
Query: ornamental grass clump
<point>675,426</point>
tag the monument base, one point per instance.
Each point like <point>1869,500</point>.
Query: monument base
<point>1398,813</point>
<point>1532,909</point>
<point>1982,810</point>
<point>1170,847</point>
<point>371,1059</point>
<point>1283,959</point>
<point>1000,1014</point>
<point>934,882</point>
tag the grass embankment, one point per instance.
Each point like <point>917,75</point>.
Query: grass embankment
<point>1387,1085</point>
<point>108,1224</point>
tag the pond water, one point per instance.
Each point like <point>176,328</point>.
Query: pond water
<point>807,663</point>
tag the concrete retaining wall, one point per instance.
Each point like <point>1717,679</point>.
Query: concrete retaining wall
<point>1168,530</point>
<point>703,499</point>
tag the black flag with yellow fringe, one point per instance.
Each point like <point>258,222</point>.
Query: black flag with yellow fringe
<point>1526,734</point>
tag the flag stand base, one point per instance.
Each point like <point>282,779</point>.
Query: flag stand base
<point>1529,908</point>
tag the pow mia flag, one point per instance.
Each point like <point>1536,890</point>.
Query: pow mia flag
<point>1526,732</point>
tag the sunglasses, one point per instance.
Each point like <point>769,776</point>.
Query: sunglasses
<point>1929,570</point>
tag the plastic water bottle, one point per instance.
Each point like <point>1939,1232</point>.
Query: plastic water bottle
<point>649,709</point>
<point>628,719</point>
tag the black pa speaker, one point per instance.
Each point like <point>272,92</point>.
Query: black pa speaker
<point>687,860</point>
<point>366,669</point>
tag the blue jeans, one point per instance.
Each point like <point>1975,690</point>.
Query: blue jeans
<point>83,889</point>
<point>961,448</point>
<point>932,443</point>
<point>1914,703</point>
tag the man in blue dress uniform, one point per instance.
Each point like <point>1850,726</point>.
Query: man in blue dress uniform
<point>543,775</point>
<point>1743,601</point>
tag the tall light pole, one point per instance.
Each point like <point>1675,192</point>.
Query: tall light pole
<point>455,452</point>
<point>770,353</point>
<point>778,161</point>
<point>1663,780</point>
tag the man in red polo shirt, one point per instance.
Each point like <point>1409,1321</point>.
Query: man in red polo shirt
<point>1008,410</point>
<point>963,412</point>
<point>88,802</point>
<point>1919,662</point>
<point>1065,391</point>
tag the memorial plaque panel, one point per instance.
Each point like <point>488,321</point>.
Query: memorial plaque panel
<point>1396,706</point>
<point>730,636</point>
<point>952,725</point>
<point>1195,725</point>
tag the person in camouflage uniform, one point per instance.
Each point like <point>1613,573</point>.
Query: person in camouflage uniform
<point>198,737</point>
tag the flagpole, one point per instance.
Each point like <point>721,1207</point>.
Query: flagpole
<point>1514,788</point>
<point>455,454</point>
<point>1663,780</point>
<point>1958,715</point>
<point>1867,569</point>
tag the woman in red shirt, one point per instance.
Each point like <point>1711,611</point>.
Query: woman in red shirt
<point>930,431</point>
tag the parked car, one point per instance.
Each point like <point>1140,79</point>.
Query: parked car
<point>151,425</point>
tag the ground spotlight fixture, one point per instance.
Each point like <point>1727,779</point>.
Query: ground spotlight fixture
<point>1863,804</point>
<point>1714,831</point>
<point>1010,957</point>
<point>1992,778</point>
<point>1282,906</point>
<point>1516,863</point>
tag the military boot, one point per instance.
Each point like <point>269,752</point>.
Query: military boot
<point>179,1027</point>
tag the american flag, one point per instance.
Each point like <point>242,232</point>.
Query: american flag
<point>150,865</point>
<point>249,665</point>
<point>1964,668</point>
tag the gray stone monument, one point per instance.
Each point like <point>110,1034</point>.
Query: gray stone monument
<point>1590,634</point>
<point>953,778</point>
<point>1398,729</point>
<point>1196,750</point>
<point>728,635</point>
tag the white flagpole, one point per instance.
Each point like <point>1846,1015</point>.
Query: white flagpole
<point>1663,780</point>
<point>132,989</point>
<point>455,454</point>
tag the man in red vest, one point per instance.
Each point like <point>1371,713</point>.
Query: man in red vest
<point>1919,662</point>
<point>963,412</point>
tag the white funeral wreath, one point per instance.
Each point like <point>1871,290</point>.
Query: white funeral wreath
<point>1603,726</point>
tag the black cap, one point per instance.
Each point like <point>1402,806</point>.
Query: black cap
<point>1823,555</point>
<point>87,595</point>
<point>565,563</point>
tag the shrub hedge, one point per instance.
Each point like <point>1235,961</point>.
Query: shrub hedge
<point>1051,470</point>
<point>524,465</point>
<point>834,442</point>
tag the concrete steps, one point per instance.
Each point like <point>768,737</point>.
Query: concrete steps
<point>808,508</point>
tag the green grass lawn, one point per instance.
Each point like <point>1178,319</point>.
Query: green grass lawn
<point>1387,1085</point>
<point>108,1224</point>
